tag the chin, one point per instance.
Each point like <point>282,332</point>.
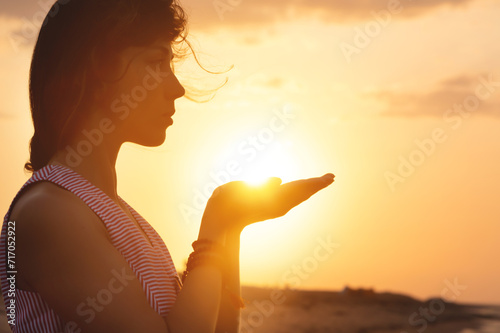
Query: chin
<point>151,141</point>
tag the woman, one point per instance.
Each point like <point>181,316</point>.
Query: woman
<point>85,261</point>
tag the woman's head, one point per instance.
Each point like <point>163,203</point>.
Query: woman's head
<point>87,53</point>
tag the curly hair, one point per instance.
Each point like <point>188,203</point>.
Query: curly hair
<point>62,78</point>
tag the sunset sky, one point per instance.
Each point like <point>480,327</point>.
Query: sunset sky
<point>399,99</point>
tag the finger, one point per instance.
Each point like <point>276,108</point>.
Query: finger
<point>298,191</point>
<point>319,183</point>
<point>328,178</point>
<point>276,200</point>
<point>311,185</point>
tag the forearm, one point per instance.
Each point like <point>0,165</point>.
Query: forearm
<point>229,310</point>
<point>197,305</point>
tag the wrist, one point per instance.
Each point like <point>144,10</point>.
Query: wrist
<point>210,231</point>
<point>234,232</point>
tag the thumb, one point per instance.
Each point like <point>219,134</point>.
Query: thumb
<point>274,181</point>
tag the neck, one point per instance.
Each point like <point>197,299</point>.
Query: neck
<point>99,167</point>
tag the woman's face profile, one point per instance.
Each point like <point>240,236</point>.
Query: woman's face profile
<point>142,102</point>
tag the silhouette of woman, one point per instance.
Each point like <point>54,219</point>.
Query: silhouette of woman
<point>85,261</point>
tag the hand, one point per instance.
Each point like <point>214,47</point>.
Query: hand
<point>238,204</point>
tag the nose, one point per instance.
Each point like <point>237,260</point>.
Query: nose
<point>175,89</point>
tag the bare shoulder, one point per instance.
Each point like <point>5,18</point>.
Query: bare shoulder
<point>49,218</point>
<point>41,197</point>
<point>45,203</point>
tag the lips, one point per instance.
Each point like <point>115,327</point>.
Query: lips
<point>169,114</point>
<point>168,117</point>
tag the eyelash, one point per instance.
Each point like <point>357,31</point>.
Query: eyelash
<point>161,62</point>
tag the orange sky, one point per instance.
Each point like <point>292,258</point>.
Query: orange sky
<point>395,104</point>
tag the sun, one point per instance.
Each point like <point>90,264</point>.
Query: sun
<point>276,162</point>
<point>256,179</point>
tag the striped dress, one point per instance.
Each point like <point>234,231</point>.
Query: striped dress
<point>153,266</point>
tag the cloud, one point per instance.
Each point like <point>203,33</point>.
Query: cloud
<point>217,13</point>
<point>259,12</point>
<point>264,84</point>
<point>270,82</point>
<point>23,8</point>
<point>476,93</point>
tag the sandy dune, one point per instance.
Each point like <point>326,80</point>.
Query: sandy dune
<point>360,312</point>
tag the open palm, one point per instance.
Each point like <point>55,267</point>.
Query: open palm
<point>240,203</point>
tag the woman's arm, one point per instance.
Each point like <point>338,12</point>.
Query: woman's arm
<point>197,305</point>
<point>235,205</point>
<point>229,313</point>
